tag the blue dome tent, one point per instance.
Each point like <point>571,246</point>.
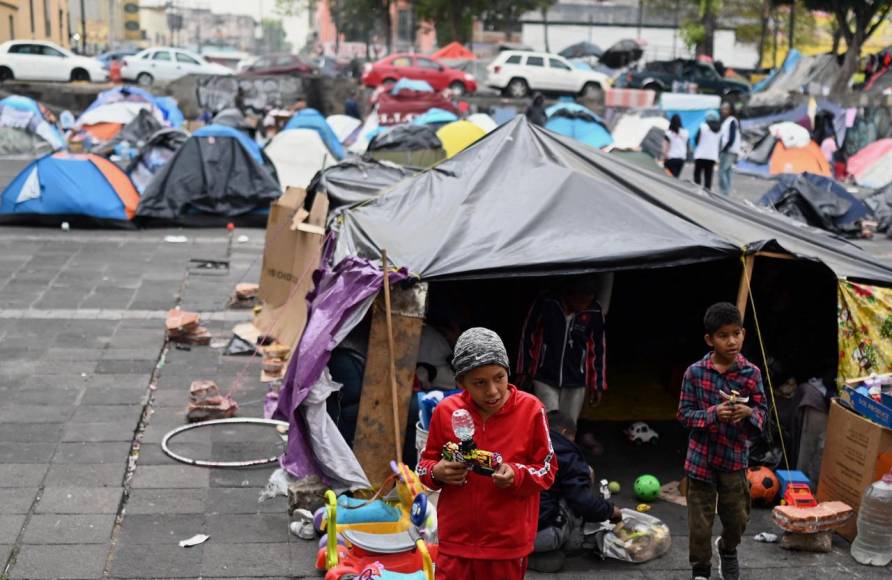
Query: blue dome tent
<point>577,122</point>
<point>313,119</point>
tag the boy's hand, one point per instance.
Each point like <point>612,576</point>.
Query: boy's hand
<point>724,412</point>
<point>740,413</point>
<point>503,476</point>
<point>451,472</point>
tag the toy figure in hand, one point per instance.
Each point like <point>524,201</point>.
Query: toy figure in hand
<point>477,460</point>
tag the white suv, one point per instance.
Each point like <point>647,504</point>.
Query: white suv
<point>39,60</point>
<point>166,64</point>
<point>516,73</point>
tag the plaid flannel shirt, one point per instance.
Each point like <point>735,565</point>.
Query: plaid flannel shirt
<point>714,445</point>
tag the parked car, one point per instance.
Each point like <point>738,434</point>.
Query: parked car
<point>279,64</point>
<point>107,57</point>
<point>660,75</point>
<point>412,66</point>
<point>515,73</point>
<point>39,60</point>
<point>167,64</point>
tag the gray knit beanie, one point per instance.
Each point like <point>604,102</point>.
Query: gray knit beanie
<point>477,347</point>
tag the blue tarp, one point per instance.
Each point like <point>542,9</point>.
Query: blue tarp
<point>223,131</point>
<point>312,119</point>
<point>167,105</point>
<point>412,85</point>
<point>68,186</point>
<point>577,122</point>
<point>435,116</point>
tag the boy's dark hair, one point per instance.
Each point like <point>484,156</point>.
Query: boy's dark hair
<point>559,421</point>
<point>720,314</point>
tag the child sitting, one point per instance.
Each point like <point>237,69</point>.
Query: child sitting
<point>569,503</point>
<point>487,523</point>
<point>723,406</point>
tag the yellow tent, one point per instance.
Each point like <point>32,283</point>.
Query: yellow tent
<point>457,135</point>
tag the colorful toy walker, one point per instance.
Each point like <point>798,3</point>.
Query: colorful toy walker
<point>391,550</point>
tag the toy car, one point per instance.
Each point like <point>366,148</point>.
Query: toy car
<point>799,495</point>
<point>640,432</point>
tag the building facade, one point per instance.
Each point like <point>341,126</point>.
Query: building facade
<point>35,20</point>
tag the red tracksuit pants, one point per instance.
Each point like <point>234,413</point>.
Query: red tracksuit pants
<point>455,568</point>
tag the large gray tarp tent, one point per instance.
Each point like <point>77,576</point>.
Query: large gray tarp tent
<point>526,201</point>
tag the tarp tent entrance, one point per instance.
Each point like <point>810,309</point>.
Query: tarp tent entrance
<point>555,208</point>
<point>85,190</point>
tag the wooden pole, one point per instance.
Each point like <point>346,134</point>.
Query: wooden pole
<point>743,291</point>
<point>391,355</point>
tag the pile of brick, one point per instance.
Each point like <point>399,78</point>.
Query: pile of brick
<point>810,529</point>
<point>184,327</point>
<point>245,295</point>
<point>206,403</point>
<point>275,358</point>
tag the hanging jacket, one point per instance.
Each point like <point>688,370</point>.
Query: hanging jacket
<point>479,520</point>
<point>564,350</point>
<point>573,484</point>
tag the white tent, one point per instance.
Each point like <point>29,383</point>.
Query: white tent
<point>366,132</point>
<point>630,130</point>
<point>121,113</point>
<point>298,154</point>
<point>343,126</point>
<point>483,121</point>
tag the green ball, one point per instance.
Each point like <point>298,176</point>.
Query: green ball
<point>647,488</point>
<point>613,486</point>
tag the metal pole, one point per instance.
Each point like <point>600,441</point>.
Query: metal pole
<point>792,32</point>
<point>640,15</point>
<point>83,29</point>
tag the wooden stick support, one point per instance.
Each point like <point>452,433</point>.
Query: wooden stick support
<point>743,291</point>
<point>391,355</point>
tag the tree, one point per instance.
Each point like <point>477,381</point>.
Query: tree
<point>274,37</point>
<point>454,18</point>
<point>358,17</point>
<point>856,20</point>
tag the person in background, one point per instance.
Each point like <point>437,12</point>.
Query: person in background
<point>675,147</point>
<point>536,111</point>
<point>571,501</point>
<point>729,147</point>
<point>706,153</point>
<point>351,107</point>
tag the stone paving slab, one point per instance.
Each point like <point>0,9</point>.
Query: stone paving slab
<point>60,561</point>
<point>17,500</point>
<point>167,501</point>
<point>69,529</point>
<point>235,560</point>
<point>78,500</point>
<point>94,475</point>
<point>22,475</point>
<point>168,560</point>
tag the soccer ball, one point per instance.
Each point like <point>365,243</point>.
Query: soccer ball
<point>647,488</point>
<point>764,485</point>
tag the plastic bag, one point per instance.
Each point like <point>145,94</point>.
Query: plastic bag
<point>638,538</point>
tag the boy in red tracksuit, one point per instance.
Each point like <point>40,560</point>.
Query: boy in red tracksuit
<point>487,523</point>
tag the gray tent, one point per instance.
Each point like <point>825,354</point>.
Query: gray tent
<point>526,201</point>
<point>353,181</point>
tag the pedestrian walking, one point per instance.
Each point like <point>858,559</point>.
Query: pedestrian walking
<point>675,148</point>
<point>730,147</point>
<point>706,152</point>
<point>536,111</point>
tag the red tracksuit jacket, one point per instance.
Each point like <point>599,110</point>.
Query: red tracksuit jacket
<point>479,520</point>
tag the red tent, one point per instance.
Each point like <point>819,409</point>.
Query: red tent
<point>405,106</point>
<point>454,51</point>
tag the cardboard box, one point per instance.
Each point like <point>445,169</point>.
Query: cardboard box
<point>867,407</point>
<point>857,453</point>
<point>292,252</point>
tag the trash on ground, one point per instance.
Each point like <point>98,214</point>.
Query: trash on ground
<point>183,327</point>
<point>637,538</point>
<point>176,239</point>
<point>307,493</point>
<point>206,403</point>
<point>245,337</point>
<point>194,540</point>
<point>671,492</point>
<point>765,537</point>
<point>242,239</point>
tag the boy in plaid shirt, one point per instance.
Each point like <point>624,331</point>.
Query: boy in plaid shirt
<point>718,447</point>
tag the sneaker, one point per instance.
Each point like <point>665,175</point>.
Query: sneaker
<point>729,567</point>
<point>700,578</point>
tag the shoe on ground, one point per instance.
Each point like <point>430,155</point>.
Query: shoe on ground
<point>729,567</point>
<point>547,562</point>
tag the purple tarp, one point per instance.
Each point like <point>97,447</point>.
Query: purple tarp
<point>338,291</point>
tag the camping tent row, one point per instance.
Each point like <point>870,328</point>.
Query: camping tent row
<point>559,208</point>
<point>113,109</point>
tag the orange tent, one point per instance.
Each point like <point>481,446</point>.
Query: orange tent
<point>454,51</point>
<point>799,160</point>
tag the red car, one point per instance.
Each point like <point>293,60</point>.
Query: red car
<point>397,66</point>
<point>279,64</point>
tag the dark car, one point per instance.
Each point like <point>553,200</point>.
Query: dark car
<point>279,64</point>
<point>660,75</point>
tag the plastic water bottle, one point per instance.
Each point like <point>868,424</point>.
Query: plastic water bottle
<point>462,424</point>
<point>873,544</point>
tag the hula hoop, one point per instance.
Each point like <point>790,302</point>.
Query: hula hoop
<point>220,464</point>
